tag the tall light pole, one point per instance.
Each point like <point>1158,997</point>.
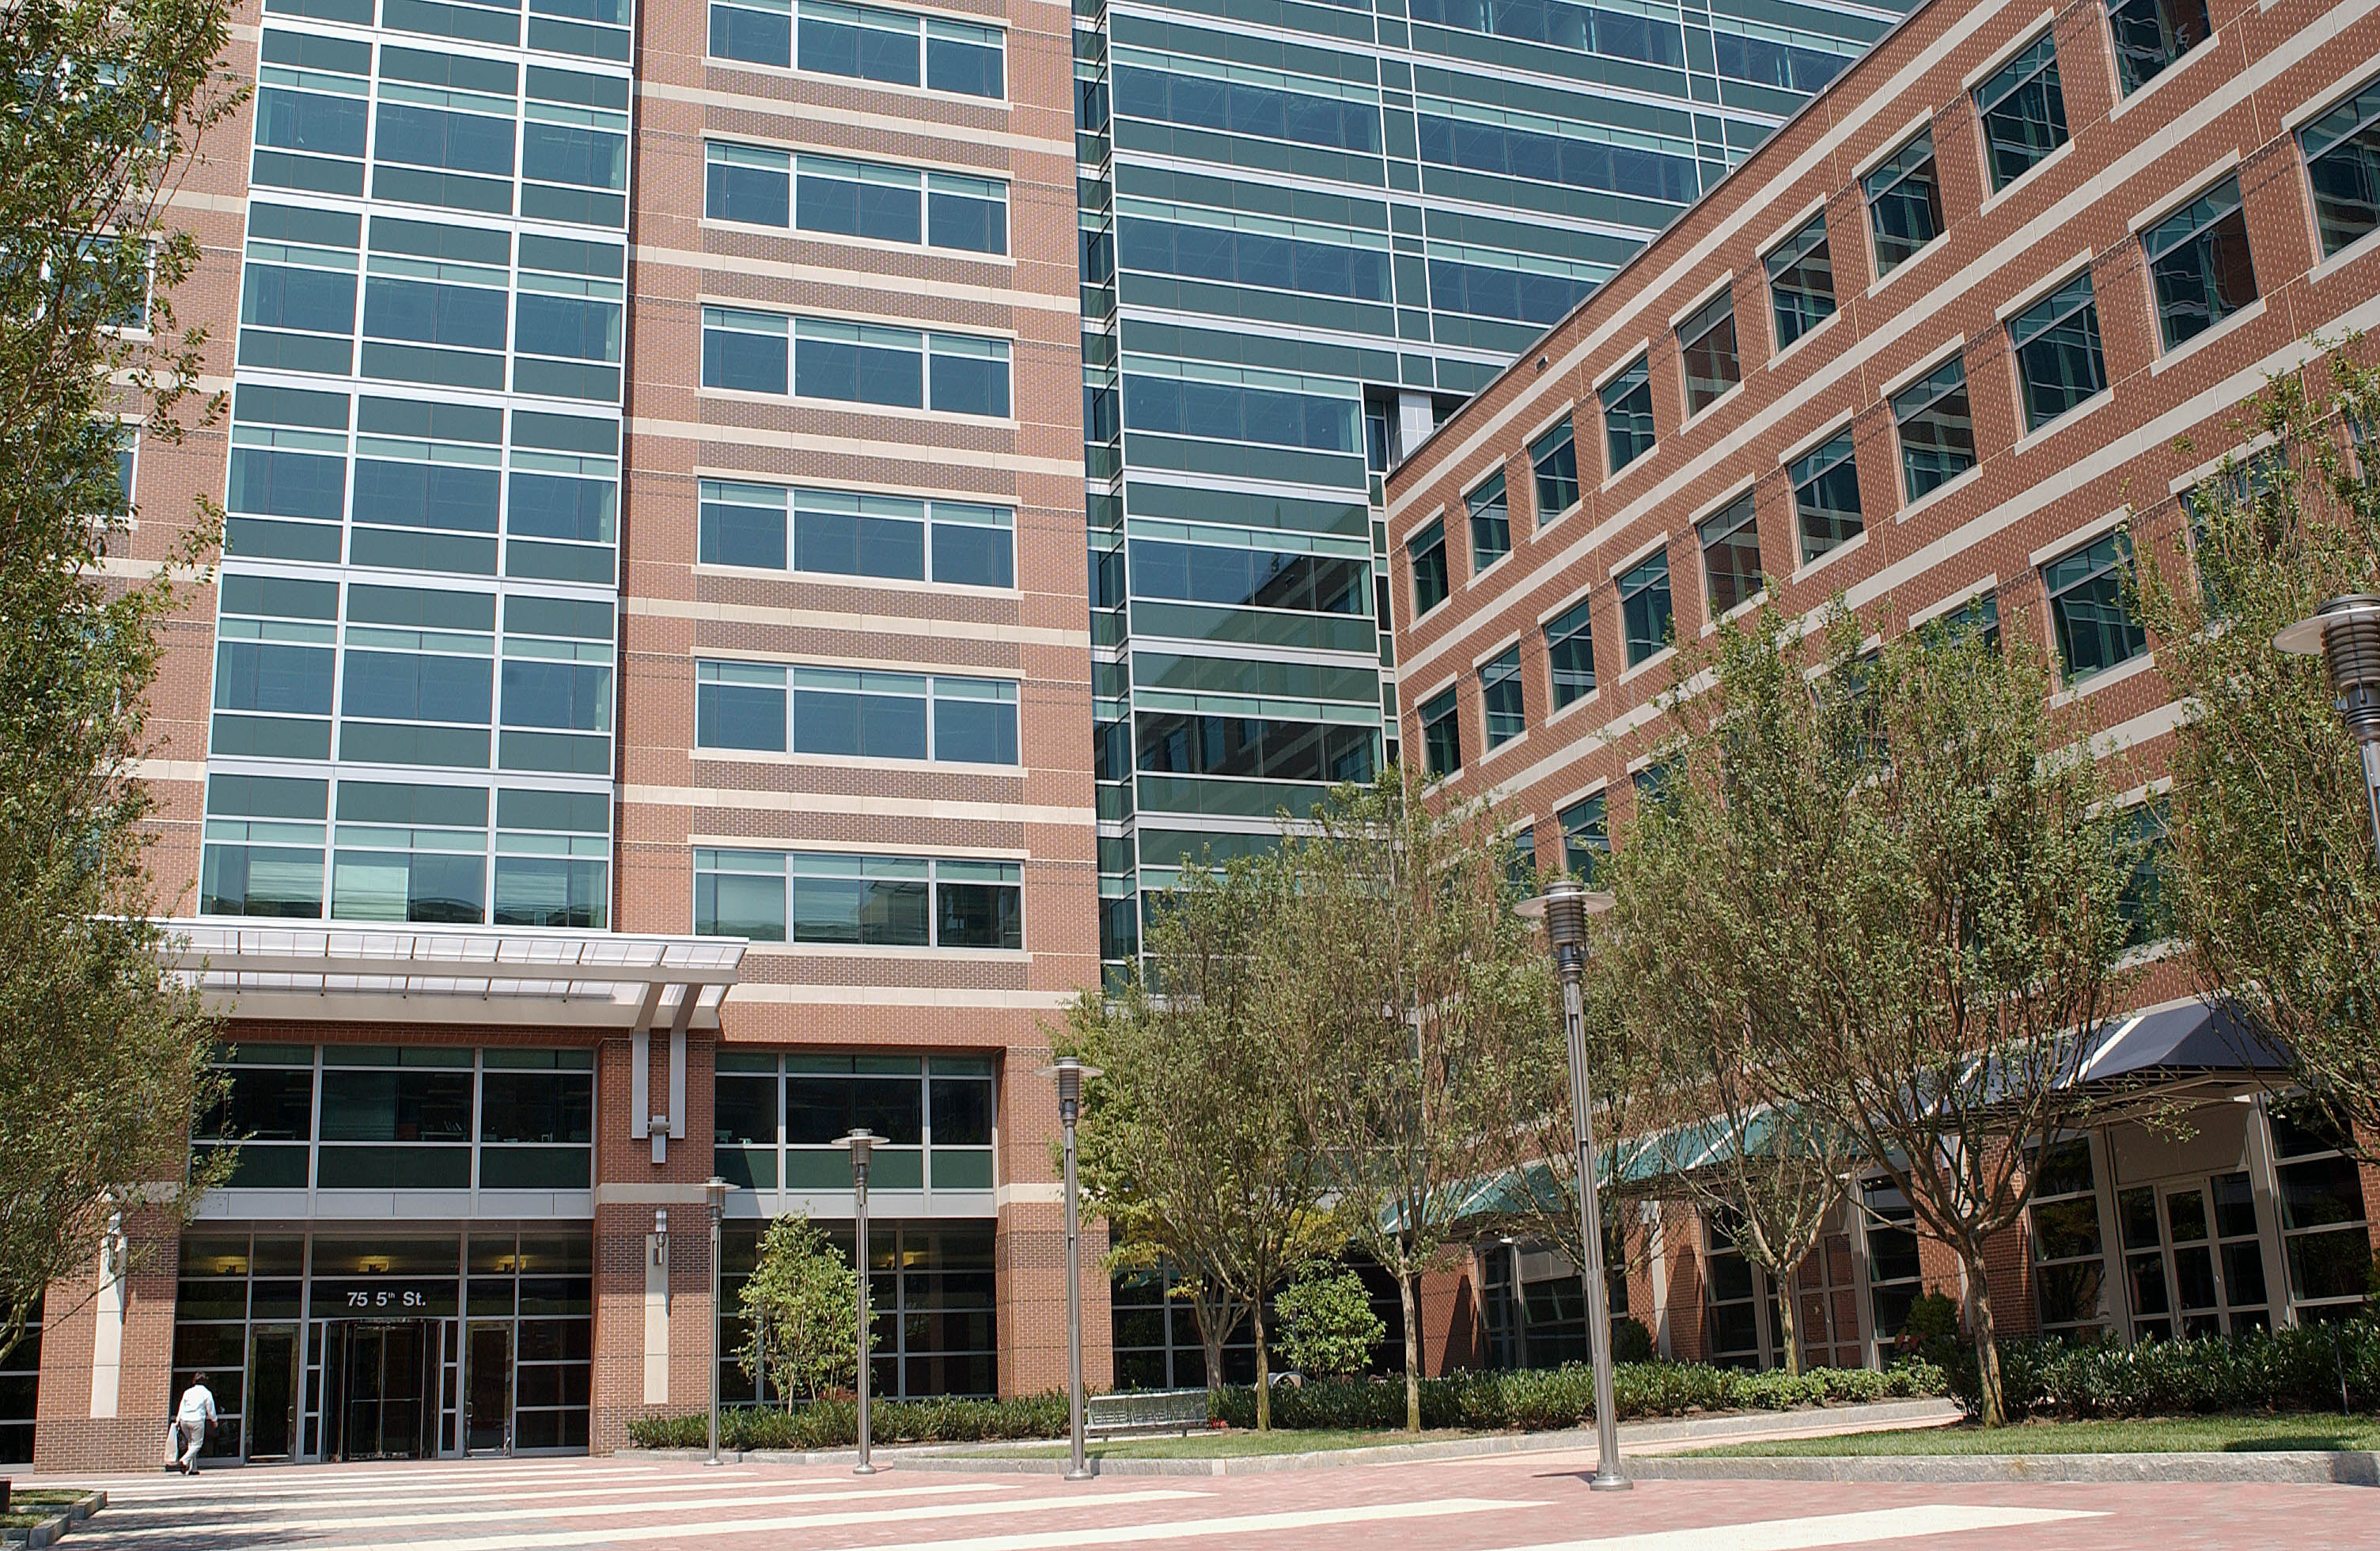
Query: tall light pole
<point>1070,1073</point>
<point>2345,633</point>
<point>860,1142</point>
<point>1564,907</point>
<point>715,1196</point>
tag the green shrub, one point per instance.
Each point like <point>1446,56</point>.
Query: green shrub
<point>835,1423</point>
<point>1630,1342</point>
<point>2299,1369</point>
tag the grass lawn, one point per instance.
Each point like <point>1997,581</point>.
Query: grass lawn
<point>1231,1445</point>
<point>2150,1435</point>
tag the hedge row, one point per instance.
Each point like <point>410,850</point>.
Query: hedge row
<point>1534,1400</point>
<point>835,1423</point>
<point>2305,1368</point>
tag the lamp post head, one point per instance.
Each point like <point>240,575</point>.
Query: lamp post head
<point>2345,633</point>
<point>714,1192</point>
<point>1564,907</point>
<point>860,1142</point>
<point>1071,1074</point>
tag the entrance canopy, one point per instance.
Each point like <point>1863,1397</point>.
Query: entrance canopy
<point>459,974</point>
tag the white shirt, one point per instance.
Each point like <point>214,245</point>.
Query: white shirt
<point>197,1406</point>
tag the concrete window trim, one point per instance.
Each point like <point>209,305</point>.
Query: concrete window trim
<point>2024,179</point>
<point>1955,602</point>
<point>2124,104</point>
<point>1810,567</point>
<point>2189,347</point>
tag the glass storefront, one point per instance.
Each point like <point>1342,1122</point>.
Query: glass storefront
<point>404,1345</point>
<point>931,1295</point>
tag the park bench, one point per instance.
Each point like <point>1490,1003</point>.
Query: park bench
<point>1138,1411</point>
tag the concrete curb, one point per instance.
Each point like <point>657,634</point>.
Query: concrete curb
<point>2282,1467</point>
<point>1812,1421</point>
<point>50,1531</point>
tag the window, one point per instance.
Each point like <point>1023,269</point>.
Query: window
<point>2056,346</point>
<point>274,667</point>
<point>1491,525</point>
<point>1425,557</point>
<point>1236,577</point>
<point>312,114</point>
<point>1499,696</point>
<point>1254,748</point>
<point>2342,155</point>
<point>1441,738</point>
<point>861,902</point>
<point>2023,112</point>
<point>1904,203</point>
<point>1245,248</point>
<point>2093,618</point>
<point>1522,145</point>
<point>1826,497</point>
<point>1628,415</point>
<point>2323,1239</point>
<point>1244,99</point>
<point>1521,874</point>
<point>1978,617</point>
<point>1802,283</point>
<point>1241,403</point>
<point>854,363</point>
<point>866,714</point>
<point>426,858</point>
<point>854,199</point>
<point>1707,341</point>
<point>574,147</point>
<point>2070,1264</point>
<point>264,854</point>
<point>1938,435</point>
<point>297,289</point>
<point>2148,916</point>
<point>841,534</point>
<point>443,130</point>
<point>1562,24</point>
<point>863,43</point>
<point>553,858</point>
<point>1554,457</point>
<point>1731,555</point>
<point>1644,606</point>
<point>2151,34</point>
<point>1587,837</point>
<point>1894,1278</point>
<point>1570,654</point>
<point>2199,263</point>
<point>773,1128</point>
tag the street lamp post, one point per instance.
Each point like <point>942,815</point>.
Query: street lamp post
<point>2345,633</point>
<point>860,1142</point>
<point>1564,907</point>
<point>1070,1071</point>
<point>715,1196</point>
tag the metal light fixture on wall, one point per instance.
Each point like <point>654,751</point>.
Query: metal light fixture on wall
<point>2345,633</point>
<point>1564,907</point>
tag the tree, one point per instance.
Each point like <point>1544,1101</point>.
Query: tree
<point>2270,879</point>
<point>1954,940</point>
<point>1705,910</point>
<point>1327,1327</point>
<point>801,1312</point>
<point>1427,1003</point>
<point>103,1056</point>
<point>1195,1142</point>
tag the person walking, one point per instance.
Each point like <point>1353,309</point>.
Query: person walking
<point>194,1417</point>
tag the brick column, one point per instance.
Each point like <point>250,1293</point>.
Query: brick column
<point>68,1434</point>
<point>1029,1246</point>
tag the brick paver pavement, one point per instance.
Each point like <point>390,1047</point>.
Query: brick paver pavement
<point>1537,1502</point>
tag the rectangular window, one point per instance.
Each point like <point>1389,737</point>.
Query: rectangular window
<point>1628,415</point>
<point>2070,1263</point>
<point>1904,203</point>
<point>1826,497</point>
<point>312,114</point>
<point>1491,524</point>
<point>2151,34</point>
<point>838,533</point>
<point>1802,282</point>
<point>863,43</point>
<point>1644,606</point>
<point>1236,577</point>
<point>745,350</point>
<point>861,902</point>
<point>2093,618</point>
<point>264,838</point>
<point>2342,156</point>
<point>1730,542</point>
<point>1499,696</point>
<point>1554,457</point>
<point>854,199</point>
<point>2323,1237</point>
<point>1587,837</point>
<point>1937,434</point>
<point>2022,111</point>
<point>854,363</point>
<point>2148,914</point>
<point>1425,557</point>
<point>1569,653</point>
<point>2199,263</point>
<point>1707,341</point>
<point>2059,363</point>
<point>1253,748</point>
<point>862,715</point>
<point>1441,737</point>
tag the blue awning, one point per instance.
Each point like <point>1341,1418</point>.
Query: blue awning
<point>2194,1037</point>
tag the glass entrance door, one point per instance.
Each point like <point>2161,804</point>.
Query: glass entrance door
<point>273,1392</point>
<point>2192,1262</point>
<point>385,1368</point>
<point>488,1389</point>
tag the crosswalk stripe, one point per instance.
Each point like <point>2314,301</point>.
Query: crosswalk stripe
<point>1192,1528</point>
<point>270,1480</point>
<point>1830,1529</point>
<point>709,1487</point>
<point>183,1524</point>
<point>713,1528</point>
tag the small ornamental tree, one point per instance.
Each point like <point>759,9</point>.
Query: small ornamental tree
<point>801,1311</point>
<point>1327,1329</point>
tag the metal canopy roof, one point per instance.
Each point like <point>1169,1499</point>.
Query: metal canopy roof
<point>455,975</point>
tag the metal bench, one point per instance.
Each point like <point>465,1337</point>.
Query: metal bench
<point>1139,1412</point>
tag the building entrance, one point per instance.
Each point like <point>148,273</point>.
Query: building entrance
<point>382,1372</point>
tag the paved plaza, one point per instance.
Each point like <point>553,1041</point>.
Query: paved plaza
<point>1534,1502</point>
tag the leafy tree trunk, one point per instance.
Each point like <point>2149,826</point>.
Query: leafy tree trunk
<point>1989,1391</point>
<point>1211,1336</point>
<point>1264,1369</point>
<point>1409,1302</point>
<point>1788,1322</point>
